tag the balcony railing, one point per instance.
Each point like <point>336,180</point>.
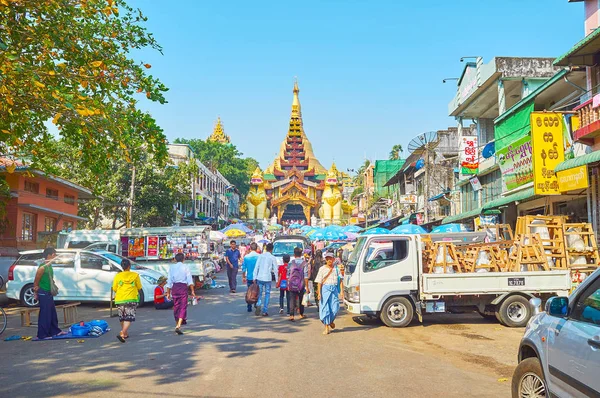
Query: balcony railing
<point>589,120</point>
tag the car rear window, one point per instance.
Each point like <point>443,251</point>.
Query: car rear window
<point>29,259</point>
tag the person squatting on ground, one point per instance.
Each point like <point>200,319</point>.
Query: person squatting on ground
<point>127,286</point>
<point>42,287</point>
<point>180,278</point>
<point>160,297</point>
<point>282,284</point>
<point>266,265</point>
<point>329,303</point>
<point>297,277</point>
<point>248,266</point>
<point>232,258</point>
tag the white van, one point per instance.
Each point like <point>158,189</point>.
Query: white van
<point>109,240</point>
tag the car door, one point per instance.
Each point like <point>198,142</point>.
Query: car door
<point>94,282</point>
<point>574,347</point>
<point>65,277</point>
<point>390,272</point>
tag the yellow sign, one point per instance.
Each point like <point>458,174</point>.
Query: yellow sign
<point>572,179</point>
<point>548,151</point>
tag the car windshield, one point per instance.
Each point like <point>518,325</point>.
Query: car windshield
<point>117,259</point>
<point>353,259</point>
<point>282,247</point>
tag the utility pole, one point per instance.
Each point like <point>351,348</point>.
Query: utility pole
<point>131,197</point>
<point>426,199</point>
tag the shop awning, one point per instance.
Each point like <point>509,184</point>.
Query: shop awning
<point>438,196</point>
<point>582,53</point>
<point>462,216</point>
<point>51,211</point>
<point>521,195</point>
<point>578,161</point>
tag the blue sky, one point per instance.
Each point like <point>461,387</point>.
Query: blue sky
<point>370,72</point>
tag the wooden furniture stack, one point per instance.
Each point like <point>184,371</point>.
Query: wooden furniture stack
<point>554,245</point>
<point>528,254</point>
<point>495,252</point>
<point>590,249</point>
<point>449,256</point>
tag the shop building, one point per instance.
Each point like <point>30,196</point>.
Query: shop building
<point>40,205</point>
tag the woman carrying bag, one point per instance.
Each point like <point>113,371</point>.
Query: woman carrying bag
<point>45,289</point>
<point>329,302</point>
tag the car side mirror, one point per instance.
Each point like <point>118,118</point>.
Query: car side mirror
<point>536,305</point>
<point>106,267</point>
<point>558,306</point>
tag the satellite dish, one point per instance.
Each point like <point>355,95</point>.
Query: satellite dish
<point>489,150</point>
<point>422,140</point>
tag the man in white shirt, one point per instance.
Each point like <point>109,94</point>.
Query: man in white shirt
<point>265,265</point>
<point>178,281</point>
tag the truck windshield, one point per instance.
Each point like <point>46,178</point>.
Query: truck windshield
<point>353,259</point>
<point>282,247</point>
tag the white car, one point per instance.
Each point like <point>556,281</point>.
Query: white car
<point>80,275</point>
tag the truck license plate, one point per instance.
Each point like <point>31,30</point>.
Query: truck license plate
<point>516,281</point>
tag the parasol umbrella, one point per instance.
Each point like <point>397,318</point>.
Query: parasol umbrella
<point>217,235</point>
<point>275,227</point>
<point>235,233</point>
<point>316,234</point>
<point>409,229</point>
<point>306,228</point>
<point>333,235</point>
<point>240,226</point>
<point>335,228</point>
<point>442,229</point>
<point>263,241</point>
<point>295,226</point>
<point>376,231</point>
<point>350,236</point>
<point>352,228</point>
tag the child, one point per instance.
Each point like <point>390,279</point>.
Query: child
<point>160,300</point>
<point>282,284</point>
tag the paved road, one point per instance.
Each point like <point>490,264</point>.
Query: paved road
<point>227,352</point>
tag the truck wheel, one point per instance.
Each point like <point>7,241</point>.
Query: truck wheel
<point>397,312</point>
<point>515,312</point>
<point>528,379</point>
<point>28,296</point>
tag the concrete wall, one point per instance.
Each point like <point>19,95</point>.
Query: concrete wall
<point>592,15</point>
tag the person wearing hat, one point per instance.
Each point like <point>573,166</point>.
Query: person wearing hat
<point>328,292</point>
<point>160,298</point>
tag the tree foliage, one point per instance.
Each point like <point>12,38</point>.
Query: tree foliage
<point>396,152</point>
<point>226,159</point>
<point>68,62</point>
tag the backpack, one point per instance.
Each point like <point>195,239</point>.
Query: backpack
<point>296,276</point>
<point>252,294</point>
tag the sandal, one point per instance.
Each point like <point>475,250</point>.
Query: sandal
<point>121,338</point>
<point>178,331</point>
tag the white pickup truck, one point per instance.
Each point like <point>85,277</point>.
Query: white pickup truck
<point>392,286</point>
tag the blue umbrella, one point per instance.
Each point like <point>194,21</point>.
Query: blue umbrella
<point>306,227</point>
<point>376,231</point>
<point>409,229</point>
<point>317,235</point>
<point>352,228</point>
<point>335,228</point>
<point>295,225</point>
<point>441,229</point>
<point>333,235</point>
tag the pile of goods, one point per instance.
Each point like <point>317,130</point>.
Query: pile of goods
<point>93,328</point>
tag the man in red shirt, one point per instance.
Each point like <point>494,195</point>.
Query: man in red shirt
<point>160,298</point>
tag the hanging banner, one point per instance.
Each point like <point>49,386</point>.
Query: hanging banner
<point>548,151</point>
<point>476,184</point>
<point>152,246</point>
<point>572,179</point>
<point>516,163</point>
<point>469,155</point>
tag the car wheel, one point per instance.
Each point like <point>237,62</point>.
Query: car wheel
<point>142,302</point>
<point>28,296</point>
<point>515,312</point>
<point>528,380</point>
<point>397,312</point>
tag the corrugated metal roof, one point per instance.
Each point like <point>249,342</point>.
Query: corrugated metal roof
<point>521,195</point>
<point>582,53</point>
<point>462,216</point>
<point>578,161</point>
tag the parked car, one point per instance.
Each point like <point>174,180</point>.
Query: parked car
<point>334,246</point>
<point>80,275</point>
<point>285,244</point>
<point>559,354</point>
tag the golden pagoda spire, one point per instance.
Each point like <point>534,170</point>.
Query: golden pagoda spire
<point>296,109</point>
<point>218,134</point>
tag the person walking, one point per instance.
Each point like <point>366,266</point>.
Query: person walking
<point>248,266</point>
<point>315,265</point>
<point>178,281</point>
<point>297,278</point>
<point>160,297</point>
<point>232,257</point>
<point>329,303</point>
<point>282,284</point>
<point>266,265</point>
<point>127,286</point>
<point>42,286</point>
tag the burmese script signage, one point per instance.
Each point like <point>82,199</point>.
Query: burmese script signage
<point>515,163</point>
<point>548,151</point>
<point>469,159</point>
<point>572,179</point>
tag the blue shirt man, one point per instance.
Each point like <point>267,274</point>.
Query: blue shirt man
<point>232,258</point>
<point>248,266</point>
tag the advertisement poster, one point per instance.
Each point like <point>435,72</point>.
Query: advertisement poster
<point>469,155</point>
<point>476,184</point>
<point>548,151</point>
<point>516,163</point>
<point>153,246</point>
<point>136,247</point>
<point>573,179</point>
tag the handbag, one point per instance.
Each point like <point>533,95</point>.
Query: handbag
<point>283,284</point>
<point>53,287</point>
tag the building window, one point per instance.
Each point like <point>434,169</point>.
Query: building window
<point>52,193</point>
<point>469,198</point>
<point>49,224</point>
<point>67,226</point>
<point>70,199</point>
<point>491,186</point>
<point>28,227</point>
<point>32,187</point>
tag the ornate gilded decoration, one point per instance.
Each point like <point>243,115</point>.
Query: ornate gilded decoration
<point>218,134</point>
<point>256,201</point>
<point>331,208</point>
